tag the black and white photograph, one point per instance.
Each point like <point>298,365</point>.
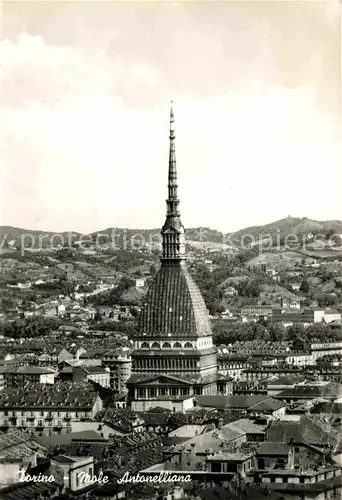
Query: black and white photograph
<point>170,250</point>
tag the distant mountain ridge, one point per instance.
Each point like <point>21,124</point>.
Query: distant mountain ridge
<point>278,229</point>
<point>291,225</point>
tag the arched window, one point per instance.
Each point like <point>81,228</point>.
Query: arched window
<point>166,345</point>
<point>144,345</point>
<point>188,345</point>
<point>155,345</point>
<point>177,345</point>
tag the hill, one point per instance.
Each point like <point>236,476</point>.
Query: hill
<point>278,230</point>
<point>124,238</point>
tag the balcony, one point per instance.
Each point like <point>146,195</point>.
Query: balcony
<point>49,417</point>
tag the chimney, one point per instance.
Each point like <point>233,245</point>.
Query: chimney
<point>220,423</point>
<point>184,458</point>
<point>192,457</point>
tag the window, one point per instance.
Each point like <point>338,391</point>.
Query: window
<point>166,345</point>
<point>152,392</point>
<point>140,393</point>
<point>77,480</point>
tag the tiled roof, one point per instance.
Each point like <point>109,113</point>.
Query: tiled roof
<point>233,457</point>
<point>286,380</point>
<point>331,390</point>
<point>95,369</point>
<point>235,401</point>
<point>249,426</point>
<point>54,397</point>
<point>273,449</point>
<point>174,305</point>
<point>25,490</point>
<point>303,431</point>
<point>213,439</point>
<point>18,444</point>
<point>88,435</point>
<point>38,370</point>
<point>188,431</point>
<point>268,404</point>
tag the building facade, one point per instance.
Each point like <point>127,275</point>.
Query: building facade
<point>49,410</point>
<point>120,366</point>
<point>13,377</point>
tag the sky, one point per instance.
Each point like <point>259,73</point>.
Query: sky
<point>84,106</point>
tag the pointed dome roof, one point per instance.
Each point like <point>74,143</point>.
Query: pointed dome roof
<point>174,305</point>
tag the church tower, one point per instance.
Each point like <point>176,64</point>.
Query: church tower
<point>174,357</point>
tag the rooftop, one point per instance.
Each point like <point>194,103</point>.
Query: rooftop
<point>230,457</point>
<point>62,395</point>
<point>303,431</point>
<point>331,390</point>
<point>29,370</point>
<point>239,401</point>
<point>273,448</point>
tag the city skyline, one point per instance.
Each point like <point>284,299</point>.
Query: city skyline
<point>85,113</point>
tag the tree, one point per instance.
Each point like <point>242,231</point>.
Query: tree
<point>277,332</point>
<point>153,269</point>
<point>176,420</point>
<point>326,299</point>
<point>304,287</point>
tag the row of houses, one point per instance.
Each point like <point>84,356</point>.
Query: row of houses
<point>290,313</point>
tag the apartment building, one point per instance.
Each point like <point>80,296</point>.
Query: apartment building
<point>12,377</point>
<point>120,366</point>
<point>256,310</point>
<point>49,409</point>
<point>98,374</point>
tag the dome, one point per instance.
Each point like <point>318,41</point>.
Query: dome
<point>174,305</point>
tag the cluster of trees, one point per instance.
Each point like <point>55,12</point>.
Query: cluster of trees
<point>248,288</point>
<point>209,282</point>
<point>125,260</point>
<point>326,299</point>
<point>226,332</point>
<point>229,332</point>
<point>61,286</point>
<point>323,298</point>
<point>112,297</point>
<point>33,326</point>
<point>129,328</point>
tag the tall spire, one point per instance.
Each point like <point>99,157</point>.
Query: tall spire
<point>173,230</point>
<point>172,201</point>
